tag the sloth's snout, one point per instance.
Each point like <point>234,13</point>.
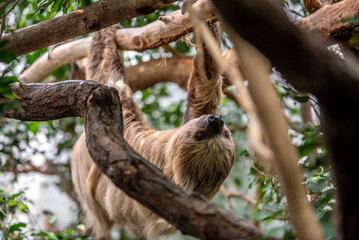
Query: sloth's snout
<point>215,124</point>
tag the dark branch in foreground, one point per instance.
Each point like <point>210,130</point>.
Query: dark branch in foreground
<point>310,67</point>
<point>100,108</point>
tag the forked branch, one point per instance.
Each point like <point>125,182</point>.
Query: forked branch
<point>100,108</point>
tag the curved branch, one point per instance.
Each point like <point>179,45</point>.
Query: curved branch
<point>77,23</point>
<point>101,110</point>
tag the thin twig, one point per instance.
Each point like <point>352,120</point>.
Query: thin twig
<point>237,128</point>
<point>2,25</point>
<point>172,50</point>
<point>4,5</point>
<point>229,194</point>
<point>12,7</point>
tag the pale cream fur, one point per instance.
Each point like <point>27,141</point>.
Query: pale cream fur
<point>197,165</point>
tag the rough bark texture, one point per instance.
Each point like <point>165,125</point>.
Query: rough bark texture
<point>79,22</point>
<point>144,75</point>
<point>327,22</point>
<point>101,110</point>
<point>311,68</point>
<point>163,31</point>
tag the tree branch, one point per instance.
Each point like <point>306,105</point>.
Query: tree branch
<point>285,39</point>
<point>176,25</point>
<point>101,110</point>
<point>311,68</point>
<point>77,23</point>
<point>151,36</point>
<point>327,22</point>
<point>257,69</point>
<point>229,194</point>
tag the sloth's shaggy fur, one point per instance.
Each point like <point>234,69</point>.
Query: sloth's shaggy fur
<point>197,156</point>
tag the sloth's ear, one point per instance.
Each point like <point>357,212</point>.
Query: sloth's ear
<point>204,86</point>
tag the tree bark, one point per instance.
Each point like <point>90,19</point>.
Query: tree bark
<point>311,68</point>
<point>163,31</point>
<point>327,22</point>
<point>100,108</point>
<point>147,74</point>
<point>77,23</point>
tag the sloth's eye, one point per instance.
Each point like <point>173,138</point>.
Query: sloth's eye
<point>199,135</point>
<point>227,134</point>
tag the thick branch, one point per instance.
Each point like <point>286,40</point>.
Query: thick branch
<point>327,22</point>
<point>101,110</point>
<point>77,23</point>
<point>311,68</point>
<point>304,61</point>
<point>163,31</point>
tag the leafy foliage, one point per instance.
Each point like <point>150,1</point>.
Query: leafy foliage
<point>13,206</point>
<point>19,142</point>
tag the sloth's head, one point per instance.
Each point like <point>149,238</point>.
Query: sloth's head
<point>201,154</point>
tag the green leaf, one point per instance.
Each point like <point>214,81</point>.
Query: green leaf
<point>40,234</point>
<point>301,99</point>
<point>52,236</point>
<point>51,219</point>
<point>70,231</point>
<point>7,106</point>
<point>23,208</point>
<point>354,20</point>
<point>7,56</point>
<point>43,7</point>
<point>237,181</point>
<point>3,43</point>
<point>12,197</point>
<point>316,184</point>
<point>14,203</point>
<point>16,227</point>
<point>145,94</point>
<point>33,127</point>
<point>81,227</point>
<point>260,215</point>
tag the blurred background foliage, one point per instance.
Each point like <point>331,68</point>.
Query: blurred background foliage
<point>23,143</point>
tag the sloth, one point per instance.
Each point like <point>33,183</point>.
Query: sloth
<point>197,156</point>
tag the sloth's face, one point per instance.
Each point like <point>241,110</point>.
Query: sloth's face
<point>201,154</point>
<point>211,126</point>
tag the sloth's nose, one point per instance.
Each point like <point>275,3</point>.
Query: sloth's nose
<point>215,119</point>
<point>215,124</point>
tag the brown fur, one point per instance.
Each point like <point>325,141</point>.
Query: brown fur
<point>197,165</point>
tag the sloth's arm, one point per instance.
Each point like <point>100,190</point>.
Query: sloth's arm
<point>105,66</point>
<point>205,84</point>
